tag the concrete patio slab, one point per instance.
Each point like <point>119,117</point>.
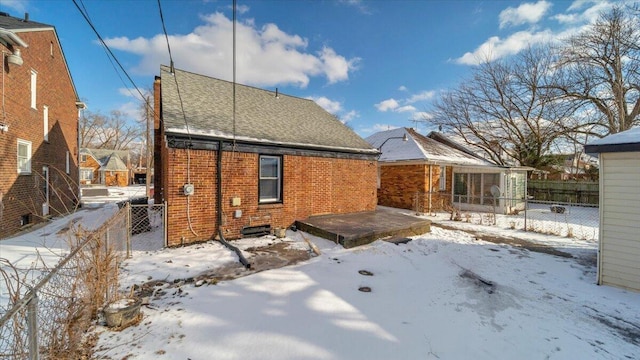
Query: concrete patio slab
<point>357,229</point>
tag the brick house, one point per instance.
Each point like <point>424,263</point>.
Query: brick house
<point>106,167</point>
<point>38,126</point>
<point>432,173</point>
<point>273,160</point>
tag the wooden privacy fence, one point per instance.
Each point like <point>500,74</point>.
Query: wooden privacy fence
<point>581,192</point>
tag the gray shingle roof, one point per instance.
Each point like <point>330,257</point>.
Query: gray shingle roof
<point>103,155</point>
<point>261,117</point>
<point>114,163</point>
<point>17,24</point>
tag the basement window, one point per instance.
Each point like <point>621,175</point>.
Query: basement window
<point>25,219</point>
<point>270,174</point>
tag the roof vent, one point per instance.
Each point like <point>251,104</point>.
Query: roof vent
<point>26,16</point>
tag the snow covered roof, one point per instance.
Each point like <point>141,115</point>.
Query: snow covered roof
<point>261,116</point>
<point>628,140</point>
<point>419,148</point>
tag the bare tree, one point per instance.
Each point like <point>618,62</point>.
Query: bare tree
<point>111,131</point>
<point>507,109</point>
<point>600,69</point>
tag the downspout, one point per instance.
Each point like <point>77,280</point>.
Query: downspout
<point>430,186</point>
<point>221,238</point>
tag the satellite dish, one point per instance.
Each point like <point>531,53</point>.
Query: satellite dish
<point>495,191</point>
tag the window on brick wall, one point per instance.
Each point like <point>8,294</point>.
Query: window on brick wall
<point>86,174</point>
<point>270,173</point>
<point>45,121</point>
<point>443,178</point>
<point>34,81</point>
<point>24,157</point>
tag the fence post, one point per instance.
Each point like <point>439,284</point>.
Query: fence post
<point>164,223</point>
<point>129,229</point>
<point>526,206</point>
<point>32,326</point>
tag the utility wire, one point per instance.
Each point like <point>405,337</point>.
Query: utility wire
<point>86,17</point>
<point>175,78</point>
<point>184,116</point>
<point>234,73</point>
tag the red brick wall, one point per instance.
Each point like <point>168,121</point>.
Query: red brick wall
<point>22,194</point>
<point>400,184</point>
<point>95,166</point>
<point>311,186</point>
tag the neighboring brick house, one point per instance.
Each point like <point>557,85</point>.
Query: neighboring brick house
<point>432,173</point>
<point>106,167</point>
<point>38,126</point>
<point>283,159</point>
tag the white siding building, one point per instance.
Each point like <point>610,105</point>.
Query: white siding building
<point>619,246</point>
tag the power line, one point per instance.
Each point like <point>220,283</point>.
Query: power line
<point>175,78</point>
<point>86,17</point>
<point>105,51</point>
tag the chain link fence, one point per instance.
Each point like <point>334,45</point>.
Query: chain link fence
<point>569,219</point>
<point>47,320</point>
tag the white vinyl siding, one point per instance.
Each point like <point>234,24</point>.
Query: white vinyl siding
<point>619,261</point>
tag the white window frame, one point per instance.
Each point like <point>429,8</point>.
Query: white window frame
<point>34,83</point>
<point>45,122</point>
<point>278,178</point>
<point>443,178</point>
<point>85,171</point>
<point>26,168</point>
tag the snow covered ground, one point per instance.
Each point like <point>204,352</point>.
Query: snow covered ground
<point>444,295</point>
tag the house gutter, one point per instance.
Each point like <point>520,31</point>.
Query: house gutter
<point>221,238</point>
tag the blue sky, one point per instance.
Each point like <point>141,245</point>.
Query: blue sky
<point>375,64</point>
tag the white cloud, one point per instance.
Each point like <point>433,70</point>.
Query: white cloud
<point>17,5</point>
<point>131,110</point>
<point>265,56</point>
<point>577,15</point>
<point>387,105</point>
<point>358,4</point>
<point>588,11</point>
<point>422,96</point>
<point>333,107</point>
<point>403,88</point>
<point>133,93</point>
<point>336,67</point>
<point>377,127</point>
<point>527,13</point>
<point>421,115</point>
<point>406,108</point>
<point>350,116</point>
<point>495,48</point>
